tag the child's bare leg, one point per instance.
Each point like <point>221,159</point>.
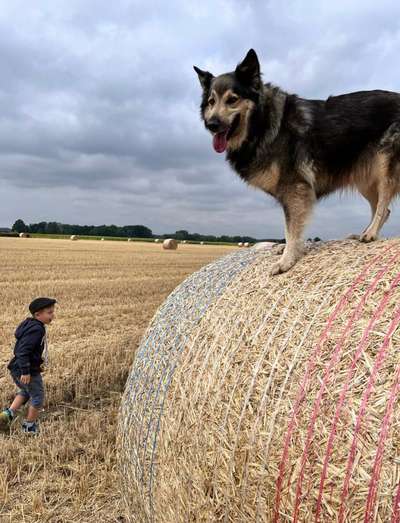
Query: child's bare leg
<point>19,400</point>
<point>33,414</point>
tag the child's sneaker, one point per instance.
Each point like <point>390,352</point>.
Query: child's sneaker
<point>6,418</point>
<point>30,427</point>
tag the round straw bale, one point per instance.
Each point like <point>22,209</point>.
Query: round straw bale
<point>240,244</point>
<point>74,237</point>
<point>24,235</point>
<point>270,399</point>
<point>129,239</point>
<point>201,243</point>
<point>170,244</point>
<point>246,244</point>
<point>157,240</point>
<point>102,239</point>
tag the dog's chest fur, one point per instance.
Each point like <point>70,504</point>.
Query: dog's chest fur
<point>267,178</point>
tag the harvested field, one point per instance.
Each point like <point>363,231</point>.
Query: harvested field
<point>107,294</point>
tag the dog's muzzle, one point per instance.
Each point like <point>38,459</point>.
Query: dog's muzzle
<point>222,132</point>
<point>216,126</point>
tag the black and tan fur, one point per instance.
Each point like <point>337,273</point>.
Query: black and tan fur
<point>301,150</point>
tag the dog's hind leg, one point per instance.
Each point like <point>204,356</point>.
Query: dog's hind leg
<point>379,196</point>
<point>297,205</point>
<point>371,195</point>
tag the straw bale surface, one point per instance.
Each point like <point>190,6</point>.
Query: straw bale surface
<point>258,398</point>
<point>264,245</point>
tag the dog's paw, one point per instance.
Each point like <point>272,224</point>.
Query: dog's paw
<point>279,248</point>
<point>367,237</point>
<point>281,266</point>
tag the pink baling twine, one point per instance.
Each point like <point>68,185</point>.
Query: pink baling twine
<point>307,376</point>
<point>367,393</point>
<point>379,453</point>
<point>337,352</point>
<point>345,389</point>
<point>396,507</point>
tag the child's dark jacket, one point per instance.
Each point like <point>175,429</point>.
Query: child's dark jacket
<point>28,348</point>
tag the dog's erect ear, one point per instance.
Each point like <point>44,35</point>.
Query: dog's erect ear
<point>205,77</point>
<point>248,71</point>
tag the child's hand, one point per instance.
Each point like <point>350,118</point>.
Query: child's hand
<point>25,379</point>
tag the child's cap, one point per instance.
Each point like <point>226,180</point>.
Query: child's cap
<point>41,303</point>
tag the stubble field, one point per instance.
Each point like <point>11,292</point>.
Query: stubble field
<point>107,293</point>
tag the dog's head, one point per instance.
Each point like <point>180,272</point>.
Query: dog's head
<point>228,101</point>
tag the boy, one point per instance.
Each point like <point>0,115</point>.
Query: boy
<point>26,365</point>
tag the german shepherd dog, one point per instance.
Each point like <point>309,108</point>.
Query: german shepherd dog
<point>300,150</point>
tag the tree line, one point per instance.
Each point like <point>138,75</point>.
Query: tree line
<point>127,231</point>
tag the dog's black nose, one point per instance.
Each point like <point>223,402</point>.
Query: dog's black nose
<point>215,125</point>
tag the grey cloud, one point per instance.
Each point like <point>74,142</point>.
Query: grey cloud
<point>98,101</point>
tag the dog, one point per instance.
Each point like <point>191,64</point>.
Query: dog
<point>300,150</point>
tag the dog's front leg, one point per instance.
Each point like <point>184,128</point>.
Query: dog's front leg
<point>297,205</point>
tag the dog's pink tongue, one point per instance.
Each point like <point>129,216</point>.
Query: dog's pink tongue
<point>220,142</point>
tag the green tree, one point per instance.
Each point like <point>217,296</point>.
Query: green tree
<point>182,235</point>
<point>53,228</point>
<point>19,226</point>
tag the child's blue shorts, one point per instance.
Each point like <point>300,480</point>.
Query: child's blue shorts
<point>34,390</point>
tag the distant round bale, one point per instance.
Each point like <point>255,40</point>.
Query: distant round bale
<point>270,398</point>
<point>170,244</point>
<point>24,235</point>
<point>102,239</point>
<point>129,239</point>
<point>157,240</point>
<point>201,243</point>
<point>247,244</point>
<point>240,244</point>
<point>73,237</point>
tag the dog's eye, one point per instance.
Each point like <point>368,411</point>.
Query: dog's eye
<point>211,101</point>
<point>232,100</point>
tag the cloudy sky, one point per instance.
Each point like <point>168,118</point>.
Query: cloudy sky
<point>99,119</point>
